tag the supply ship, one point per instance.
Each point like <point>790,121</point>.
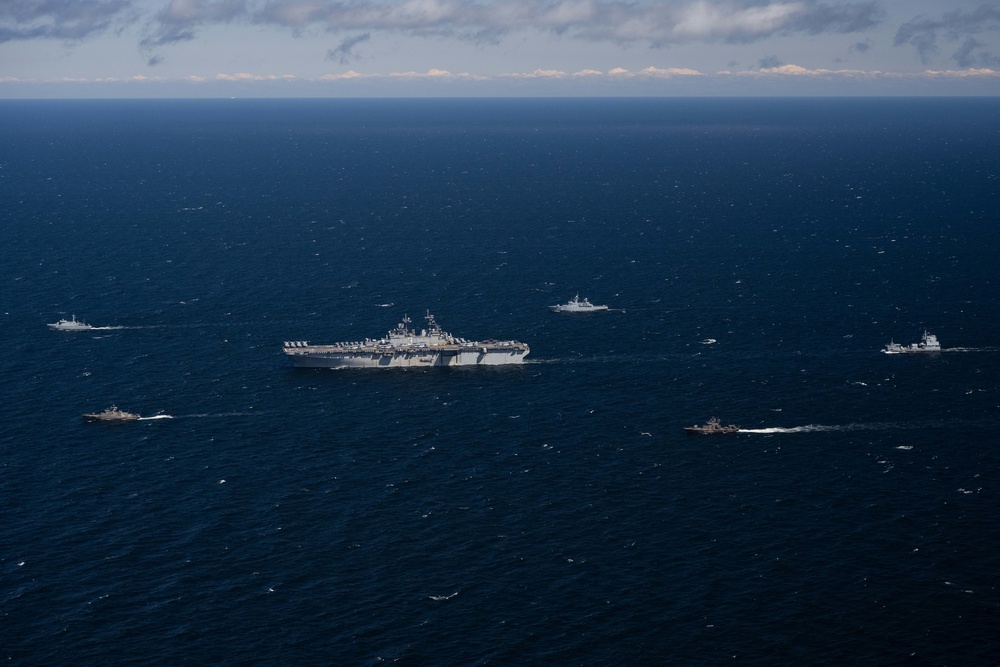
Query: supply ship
<point>929,343</point>
<point>405,348</point>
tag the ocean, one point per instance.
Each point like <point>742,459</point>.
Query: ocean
<point>756,255</point>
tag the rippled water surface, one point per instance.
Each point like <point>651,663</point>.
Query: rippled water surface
<point>756,255</point>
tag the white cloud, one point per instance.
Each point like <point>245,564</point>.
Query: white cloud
<point>797,71</point>
<point>346,76</point>
<point>704,20</point>
<point>538,74</point>
<point>963,73</point>
<point>246,76</point>
<point>586,78</point>
<point>670,71</point>
<point>433,73</point>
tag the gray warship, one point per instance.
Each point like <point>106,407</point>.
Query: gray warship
<point>112,414</point>
<point>929,343</point>
<point>70,325</point>
<point>713,427</point>
<point>576,305</point>
<point>403,347</point>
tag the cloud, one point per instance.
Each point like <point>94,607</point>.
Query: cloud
<point>923,33</point>
<point>61,19</point>
<point>669,72</point>
<point>971,54</point>
<point>345,76</point>
<point>788,75</point>
<point>984,72</point>
<point>798,71</point>
<point>344,52</point>
<point>483,21</point>
<point>440,74</point>
<point>246,76</point>
<point>180,19</point>
<point>862,47</point>
<point>619,21</point>
<point>613,73</point>
<point>539,74</point>
<point>770,62</point>
<point>433,73</point>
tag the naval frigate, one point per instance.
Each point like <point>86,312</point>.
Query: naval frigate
<point>403,347</point>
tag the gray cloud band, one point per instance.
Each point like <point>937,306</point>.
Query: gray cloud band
<point>655,24</point>
<point>923,34</point>
<point>625,22</point>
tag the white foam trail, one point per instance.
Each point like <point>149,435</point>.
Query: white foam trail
<point>156,417</point>
<point>970,349</point>
<point>797,429</point>
<point>442,597</point>
<point>813,428</point>
<point>218,414</point>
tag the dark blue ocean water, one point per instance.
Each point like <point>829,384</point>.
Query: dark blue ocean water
<point>550,514</point>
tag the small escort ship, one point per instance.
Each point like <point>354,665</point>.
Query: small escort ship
<point>70,325</point>
<point>112,414</point>
<point>405,348</point>
<point>576,305</point>
<point>713,427</point>
<point>929,343</point>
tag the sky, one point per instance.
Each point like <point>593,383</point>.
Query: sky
<point>482,48</point>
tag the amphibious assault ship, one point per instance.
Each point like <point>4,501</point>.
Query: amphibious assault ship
<point>406,348</point>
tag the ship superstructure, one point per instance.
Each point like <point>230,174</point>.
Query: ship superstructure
<point>403,347</point>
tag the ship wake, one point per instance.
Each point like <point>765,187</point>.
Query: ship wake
<point>819,428</point>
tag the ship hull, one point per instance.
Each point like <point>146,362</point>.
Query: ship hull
<point>306,358</point>
<point>724,430</point>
